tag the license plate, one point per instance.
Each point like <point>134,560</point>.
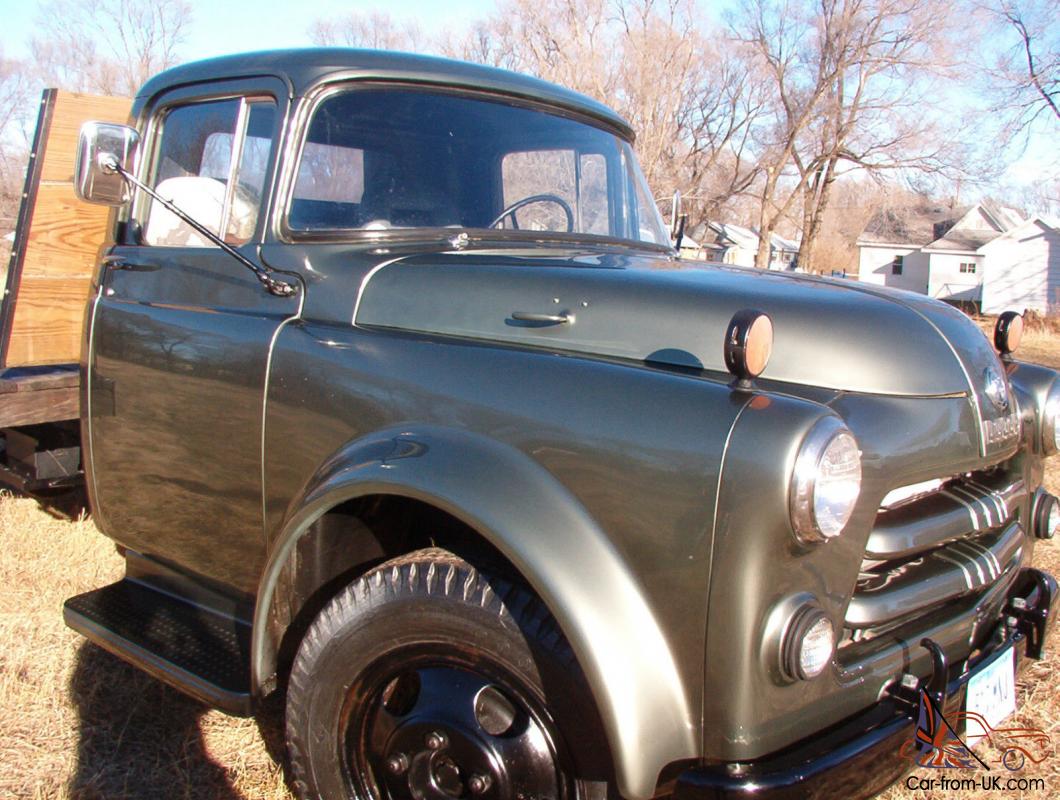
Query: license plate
<point>991,695</point>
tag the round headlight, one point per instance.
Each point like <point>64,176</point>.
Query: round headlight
<point>826,482</point>
<point>1051,422</point>
<point>808,644</point>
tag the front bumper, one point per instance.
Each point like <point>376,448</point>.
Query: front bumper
<point>864,754</point>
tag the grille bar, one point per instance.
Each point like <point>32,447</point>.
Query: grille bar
<point>948,572</point>
<point>959,510</point>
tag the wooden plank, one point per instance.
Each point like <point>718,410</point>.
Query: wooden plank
<point>58,238</point>
<point>71,111</point>
<point>25,216</point>
<point>64,235</point>
<point>31,379</point>
<point>45,405</point>
<point>48,319</point>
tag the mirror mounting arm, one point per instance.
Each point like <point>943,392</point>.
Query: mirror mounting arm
<point>109,164</point>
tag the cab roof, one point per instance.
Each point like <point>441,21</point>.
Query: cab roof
<point>302,68</point>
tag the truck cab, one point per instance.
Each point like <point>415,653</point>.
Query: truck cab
<point>399,402</point>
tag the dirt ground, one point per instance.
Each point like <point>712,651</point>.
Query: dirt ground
<point>78,723</point>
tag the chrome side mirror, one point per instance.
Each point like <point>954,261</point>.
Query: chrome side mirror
<point>675,213</point>
<point>102,147</point>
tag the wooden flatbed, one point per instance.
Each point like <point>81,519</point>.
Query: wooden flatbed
<point>34,395</point>
<point>54,255</point>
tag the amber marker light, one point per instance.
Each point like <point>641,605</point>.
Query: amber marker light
<point>748,344</point>
<point>1008,331</point>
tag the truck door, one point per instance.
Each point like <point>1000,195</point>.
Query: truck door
<point>180,336</point>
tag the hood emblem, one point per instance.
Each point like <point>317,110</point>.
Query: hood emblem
<point>996,389</point>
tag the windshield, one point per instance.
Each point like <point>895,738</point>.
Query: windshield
<point>379,159</point>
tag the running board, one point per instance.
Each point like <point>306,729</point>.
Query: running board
<point>201,653</point>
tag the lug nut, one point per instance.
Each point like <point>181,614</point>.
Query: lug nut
<point>397,763</point>
<point>436,740</point>
<point>479,784</point>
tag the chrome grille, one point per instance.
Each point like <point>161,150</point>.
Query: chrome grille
<point>955,541</point>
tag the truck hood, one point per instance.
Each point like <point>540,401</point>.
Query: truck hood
<point>827,333</point>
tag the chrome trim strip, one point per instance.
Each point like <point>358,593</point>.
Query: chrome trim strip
<point>961,549</point>
<point>967,575</point>
<point>265,402</point>
<point>949,572</point>
<point>364,284</point>
<point>971,509</point>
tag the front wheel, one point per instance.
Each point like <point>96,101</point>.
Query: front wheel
<point>428,680</point>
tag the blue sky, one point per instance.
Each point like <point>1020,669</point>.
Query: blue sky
<point>232,26</point>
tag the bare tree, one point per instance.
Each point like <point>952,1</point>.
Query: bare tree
<point>849,81</point>
<point>690,95</point>
<point>376,30</point>
<point>108,46</point>
<point>1026,77</point>
<point>14,99</point>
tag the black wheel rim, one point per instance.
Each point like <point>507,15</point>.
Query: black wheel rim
<point>420,725</point>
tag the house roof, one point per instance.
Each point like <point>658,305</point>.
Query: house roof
<point>780,243</point>
<point>982,223</point>
<point>724,233</point>
<point>938,227</point>
<point>734,234</point>
<point>963,240</point>
<point>916,226</point>
<point>1042,222</point>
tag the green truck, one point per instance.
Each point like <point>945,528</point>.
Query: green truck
<point>398,402</point>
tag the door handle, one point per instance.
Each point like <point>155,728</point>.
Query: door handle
<point>121,262</point>
<point>543,319</point>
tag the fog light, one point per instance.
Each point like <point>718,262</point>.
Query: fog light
<point>1008,332</point>
<point>808,644</point>
<point>1046,516</point>
<point>748,343</point>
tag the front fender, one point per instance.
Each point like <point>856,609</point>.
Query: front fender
<point>523,511</point>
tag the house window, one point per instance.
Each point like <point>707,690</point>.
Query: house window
<point>896,265</point>
<point>968,267</point>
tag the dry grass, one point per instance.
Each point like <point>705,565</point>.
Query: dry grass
<point>78,723</point>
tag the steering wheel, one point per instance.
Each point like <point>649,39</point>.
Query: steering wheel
<point>535,198</point>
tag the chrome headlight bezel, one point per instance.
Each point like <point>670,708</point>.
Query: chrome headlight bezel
<point>1045,515</point>
<point>805,476</point>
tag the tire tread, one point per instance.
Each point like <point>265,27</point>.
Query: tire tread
<point>415,573</point>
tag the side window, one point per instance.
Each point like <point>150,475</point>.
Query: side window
<point>211,163</point>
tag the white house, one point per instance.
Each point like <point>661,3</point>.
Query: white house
<point>724,243</point>
<point>1022,268</point>
<point>934,250</point>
